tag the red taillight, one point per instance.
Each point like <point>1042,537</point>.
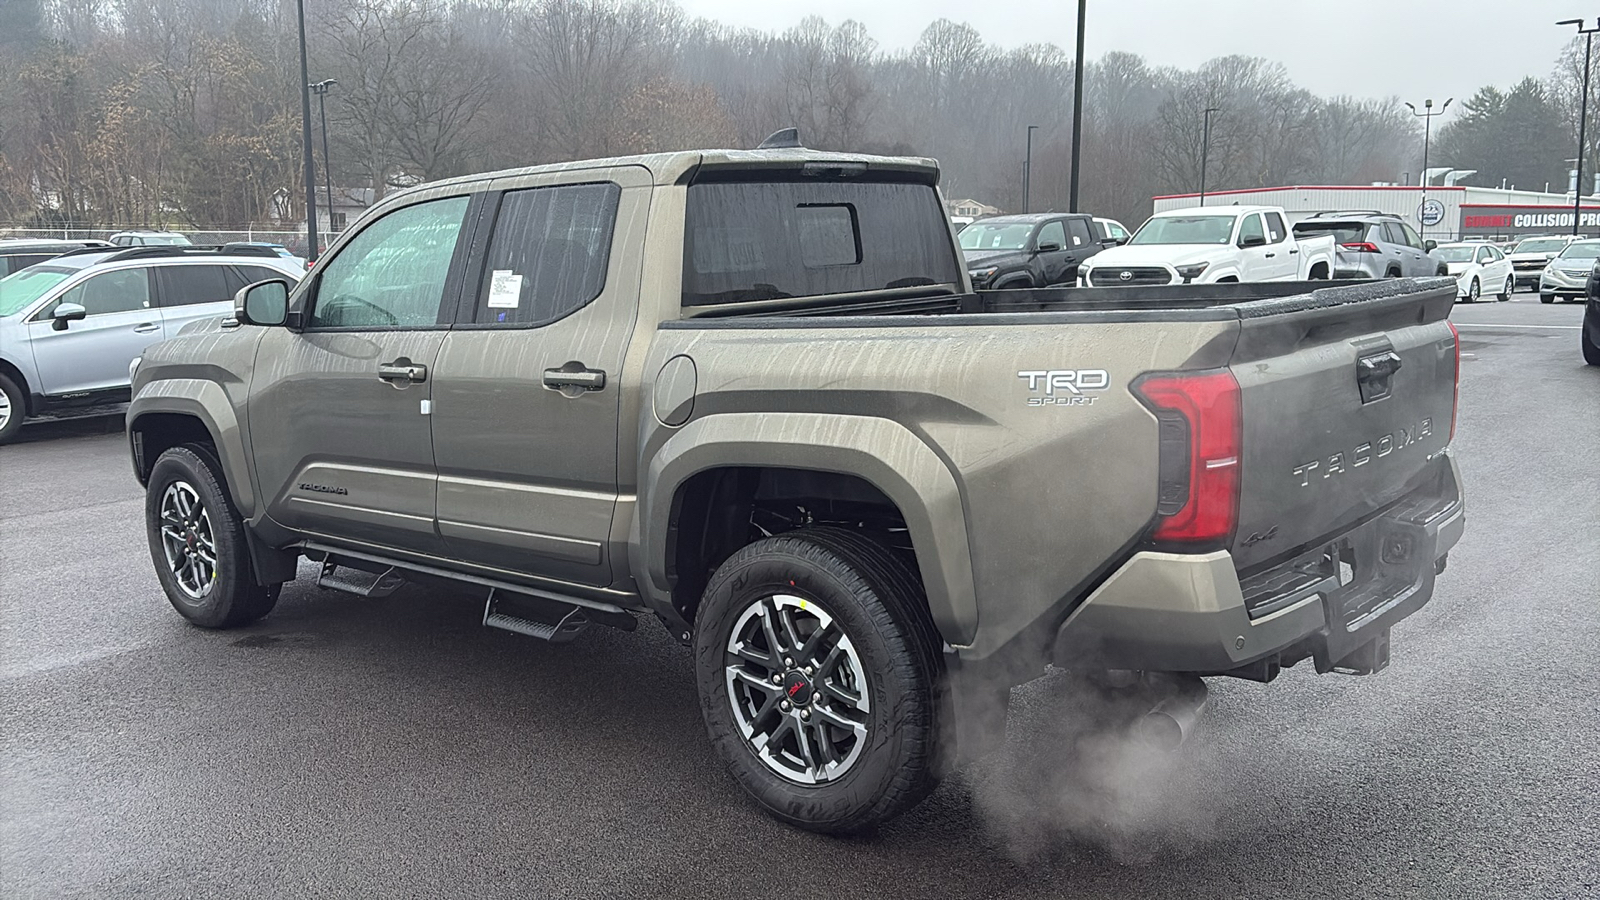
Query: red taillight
<point>1455,400</point>
<point>1361,247</point>
<point>1208,405</point>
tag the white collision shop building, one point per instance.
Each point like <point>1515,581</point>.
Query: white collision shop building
<point>1447,213</point>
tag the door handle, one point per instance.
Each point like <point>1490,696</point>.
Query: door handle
<point>571,376</point>
<point>403,370</point>
<point>146,328</point>
<point>1294,251</point>
<point>1271,255</point>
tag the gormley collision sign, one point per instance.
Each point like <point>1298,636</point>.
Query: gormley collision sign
<point>1492,220</point>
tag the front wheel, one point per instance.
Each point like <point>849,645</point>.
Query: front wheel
<point>816,664</point>
<point>1506,294</point>
<point>1547,298</point>
<point>197,542</point>
<point>13,409</point>
<point>1591,351</point>
<point>1474,291</point>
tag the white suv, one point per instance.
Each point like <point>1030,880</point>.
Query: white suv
<point>71,326</point>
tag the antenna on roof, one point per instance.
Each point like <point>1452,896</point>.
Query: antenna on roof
<point>782,139</point>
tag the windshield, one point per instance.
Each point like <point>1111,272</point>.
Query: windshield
<point>1185,230</point>
<point>1539,245</point>
<point>19,289</point>
<point>1455,254</point>
<point>979,236</point>
<point>1582,250</point>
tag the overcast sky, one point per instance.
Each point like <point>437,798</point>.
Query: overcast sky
<point>1412,49</point>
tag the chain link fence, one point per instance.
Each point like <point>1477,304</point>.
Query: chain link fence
<point>293,241</point>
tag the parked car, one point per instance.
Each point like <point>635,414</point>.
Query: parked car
<point>1568,273</point>
<point>1532,254</point>
<point>70,326</point>
<point>869,499</point>
<point>150,239</point>
<point>1210,245</point>
<point>1590,335</point>
<point>1372,244</point>
<point>1029,250</point>
<point>1477,267</point>
<point>20,253</point>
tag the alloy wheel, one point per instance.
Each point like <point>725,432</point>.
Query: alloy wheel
<point>798,690</point>
<point>5,409</point>
<point>187,540</point>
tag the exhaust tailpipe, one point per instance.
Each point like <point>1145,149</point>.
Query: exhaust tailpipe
<point>1172,720</point>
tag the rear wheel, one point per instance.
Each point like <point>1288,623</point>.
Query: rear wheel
<point>13,409</point>
<point>197,542</point>
<point>1591,351</point>
<point>1506,294</point>
<point>817,664</point>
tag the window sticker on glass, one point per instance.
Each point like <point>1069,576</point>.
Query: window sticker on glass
<point>505,289</point>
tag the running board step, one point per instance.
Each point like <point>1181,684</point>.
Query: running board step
<point>538,617</point>
<point>358,581</point>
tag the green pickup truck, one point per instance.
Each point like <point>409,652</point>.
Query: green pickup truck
<point>752,394</point>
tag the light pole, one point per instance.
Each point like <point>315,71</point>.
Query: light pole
<point>321,90</point>
<point>305,134</point>
<point>1077,111</point>
<point>1583,115</point>
<point>1427,114</point>
<point>1027,174</point>
<point>1205,149</point>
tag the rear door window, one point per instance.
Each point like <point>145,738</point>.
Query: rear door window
<point>192,284</point>
<point>750,239</point>
<point>1078,230</point>
<point>1275,230</point>
<point>549,253</point>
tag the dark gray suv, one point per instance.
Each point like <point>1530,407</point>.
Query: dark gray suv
<point>1373,244</point>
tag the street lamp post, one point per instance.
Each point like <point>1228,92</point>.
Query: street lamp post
<point>1077,111</point>
<point>1205,148</point>
<point>1583,115</point>
<point>321,90</point>
<point>1427,114</point>
<point>305,134</point>
<point>1027,174</point>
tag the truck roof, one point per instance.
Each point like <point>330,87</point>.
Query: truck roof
<point>668,168</point>
<point>1229,210</point>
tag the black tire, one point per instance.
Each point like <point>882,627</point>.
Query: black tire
<point>1591,352</point>
<point>13,408</point>
<point>233,597</point>
<point>1505,295</point>
<point>1547,298</point>
<point>1474,291</point>
<point>876,601</point>
<point>1392,273</point>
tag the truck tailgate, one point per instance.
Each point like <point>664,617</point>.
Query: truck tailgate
<point>1347,399</point>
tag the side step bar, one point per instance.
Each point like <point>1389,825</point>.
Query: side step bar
<point>542,614</point>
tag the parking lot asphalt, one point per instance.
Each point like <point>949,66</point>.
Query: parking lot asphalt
<point>347,748</point>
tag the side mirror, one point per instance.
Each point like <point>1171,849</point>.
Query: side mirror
<point>263,303</point>
<point>1047,247</point>
<point>1254,240</point>
<point>1430,245</point>
<point>64,313</point>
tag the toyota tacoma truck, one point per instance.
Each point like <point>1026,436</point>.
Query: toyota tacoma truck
<point>1212,245</point>
<point>751,394</point>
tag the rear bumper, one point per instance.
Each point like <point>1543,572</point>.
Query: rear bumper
<point>1175,612</point>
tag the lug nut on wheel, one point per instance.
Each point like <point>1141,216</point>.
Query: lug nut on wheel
<point>788,662</point>
<point>808,670</point>
<point>805,713</point>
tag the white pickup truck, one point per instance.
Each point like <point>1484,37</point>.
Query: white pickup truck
<point>1209,245</point>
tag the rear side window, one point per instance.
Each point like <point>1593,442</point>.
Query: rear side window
<point>1079,230</point>
<point>765,240</point>
<point>1275,229</point>
<point>189,285</point>
<point>11,264</point>
<point>549,253</point>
